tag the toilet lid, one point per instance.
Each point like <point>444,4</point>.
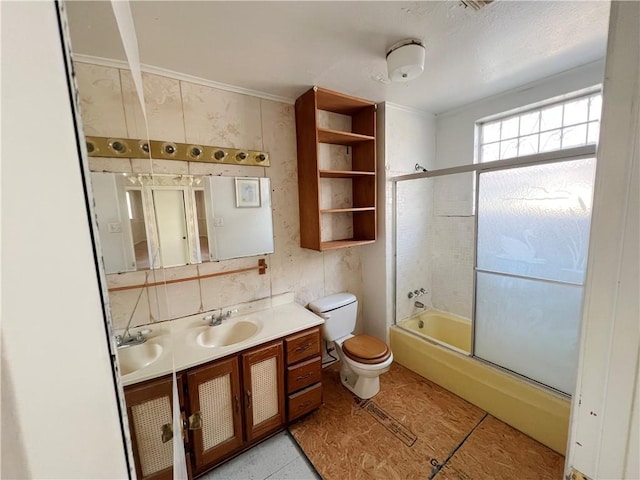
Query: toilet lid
<point>366,349</point>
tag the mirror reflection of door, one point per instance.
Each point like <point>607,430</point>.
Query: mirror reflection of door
<point>201,216</point>
<point>113,227</point>
<point>138,228</point>
<point>172,226</point>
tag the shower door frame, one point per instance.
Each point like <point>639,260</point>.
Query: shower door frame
<point>556,156</point>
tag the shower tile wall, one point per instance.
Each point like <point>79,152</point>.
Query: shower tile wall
<point>414,236</point>
<point>452,265</point>
<point>409,138</point>
<point>453,227</point>
<point>182,111</point>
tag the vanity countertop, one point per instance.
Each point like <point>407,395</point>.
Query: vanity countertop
<point>181,350</point>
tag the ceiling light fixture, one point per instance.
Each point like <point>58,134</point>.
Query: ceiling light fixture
<point>405,60</point>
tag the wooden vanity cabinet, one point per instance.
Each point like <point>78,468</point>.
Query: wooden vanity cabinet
<point>226,405</point>
<point>304,372</point>
<point>263,379</point>
<point>149,409</point>
<point>234,402</point>
<point>216,409</point>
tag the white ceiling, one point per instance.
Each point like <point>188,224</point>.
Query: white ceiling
<point>282,48</point>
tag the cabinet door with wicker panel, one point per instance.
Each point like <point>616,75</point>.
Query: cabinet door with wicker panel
<point>263,382</point>
<point>215,404</point>
<point>149,409</point>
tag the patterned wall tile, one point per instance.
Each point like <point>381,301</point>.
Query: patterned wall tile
<point>129,305</point>
<point>221,118</point>
<point>163,104</point>
<point>334,121</point>
<point>414,245</point>
<point>344,268</point>
<point>176,167</point>
<point>116,165</point>
<point>292,268</point>
<point>101,105</point>
<point>175,300</point>
<point>202,168</point>
<point>334,157</point>
<point>223,291</point>
<point>453,262</point>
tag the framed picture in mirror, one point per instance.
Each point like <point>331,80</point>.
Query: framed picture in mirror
<point>247,192</point>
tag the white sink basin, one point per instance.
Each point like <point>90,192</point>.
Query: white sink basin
<point>227,334</point>
<point>136,357</point>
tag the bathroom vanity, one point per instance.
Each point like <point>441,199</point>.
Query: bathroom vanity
<point>232,391</point>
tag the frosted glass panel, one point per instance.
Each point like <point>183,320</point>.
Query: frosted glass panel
<point>534,221</point>
<point>529,327</point>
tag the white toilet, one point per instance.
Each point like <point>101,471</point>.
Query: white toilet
<point>364,358</point>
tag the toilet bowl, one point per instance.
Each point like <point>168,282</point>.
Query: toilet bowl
<point>363,358</point>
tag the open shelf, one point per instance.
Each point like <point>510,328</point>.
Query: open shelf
<point>350,242</point>
<point>347,210</point>
<point>345,174</point>
<point>336,137</point>
<point>359,219</point>
<point>339,102</point>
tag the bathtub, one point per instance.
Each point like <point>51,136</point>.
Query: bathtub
<point>442,327</point>
<point>535,411</point>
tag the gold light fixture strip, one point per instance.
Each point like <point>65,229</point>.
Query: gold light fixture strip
<point>161,150</point>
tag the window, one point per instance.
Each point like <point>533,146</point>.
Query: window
<point>570,123</point>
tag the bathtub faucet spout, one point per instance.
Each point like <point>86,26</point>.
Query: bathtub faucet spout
<point>419,304</point>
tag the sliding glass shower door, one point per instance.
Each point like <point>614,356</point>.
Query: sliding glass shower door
<point>533,232</point>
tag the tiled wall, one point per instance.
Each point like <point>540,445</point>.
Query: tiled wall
<point>187,112</point>
<point>453,246</point>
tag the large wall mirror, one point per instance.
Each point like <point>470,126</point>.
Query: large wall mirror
<point>156,221</point>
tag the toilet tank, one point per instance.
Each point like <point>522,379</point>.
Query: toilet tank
<point>339,311</point>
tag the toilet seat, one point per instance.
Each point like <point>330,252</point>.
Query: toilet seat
<point>366,349</point>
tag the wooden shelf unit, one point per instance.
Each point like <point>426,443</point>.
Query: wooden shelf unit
<point>362,141</point>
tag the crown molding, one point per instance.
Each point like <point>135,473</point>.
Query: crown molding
<point>415,111</point>
<point>121,64</point>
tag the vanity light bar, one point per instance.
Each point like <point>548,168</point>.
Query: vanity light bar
<point>160,150</point>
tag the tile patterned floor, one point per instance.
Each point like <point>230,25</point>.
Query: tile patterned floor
<point>278,458</point>
<point>453,439</point>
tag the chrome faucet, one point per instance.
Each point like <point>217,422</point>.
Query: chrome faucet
<point>128,340</point>
<point>215,321</point>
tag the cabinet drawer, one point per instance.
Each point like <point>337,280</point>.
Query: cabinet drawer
<point>302,346</point>
<point>305,401</point>
<point>304,374</point>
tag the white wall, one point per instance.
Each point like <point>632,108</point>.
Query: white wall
<point>407,137</point>
<point>604,433</point>
<point>55,360</point>
<point>455,130</point>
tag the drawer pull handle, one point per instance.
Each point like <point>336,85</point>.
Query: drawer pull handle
<point>248,399</point>
<point>167,432</point>
<point>302,377</point>
<point>304,405</point>
<point>235,397</point>
<point>302,348</point>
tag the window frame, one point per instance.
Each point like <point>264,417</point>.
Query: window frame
<point>541,106</point>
